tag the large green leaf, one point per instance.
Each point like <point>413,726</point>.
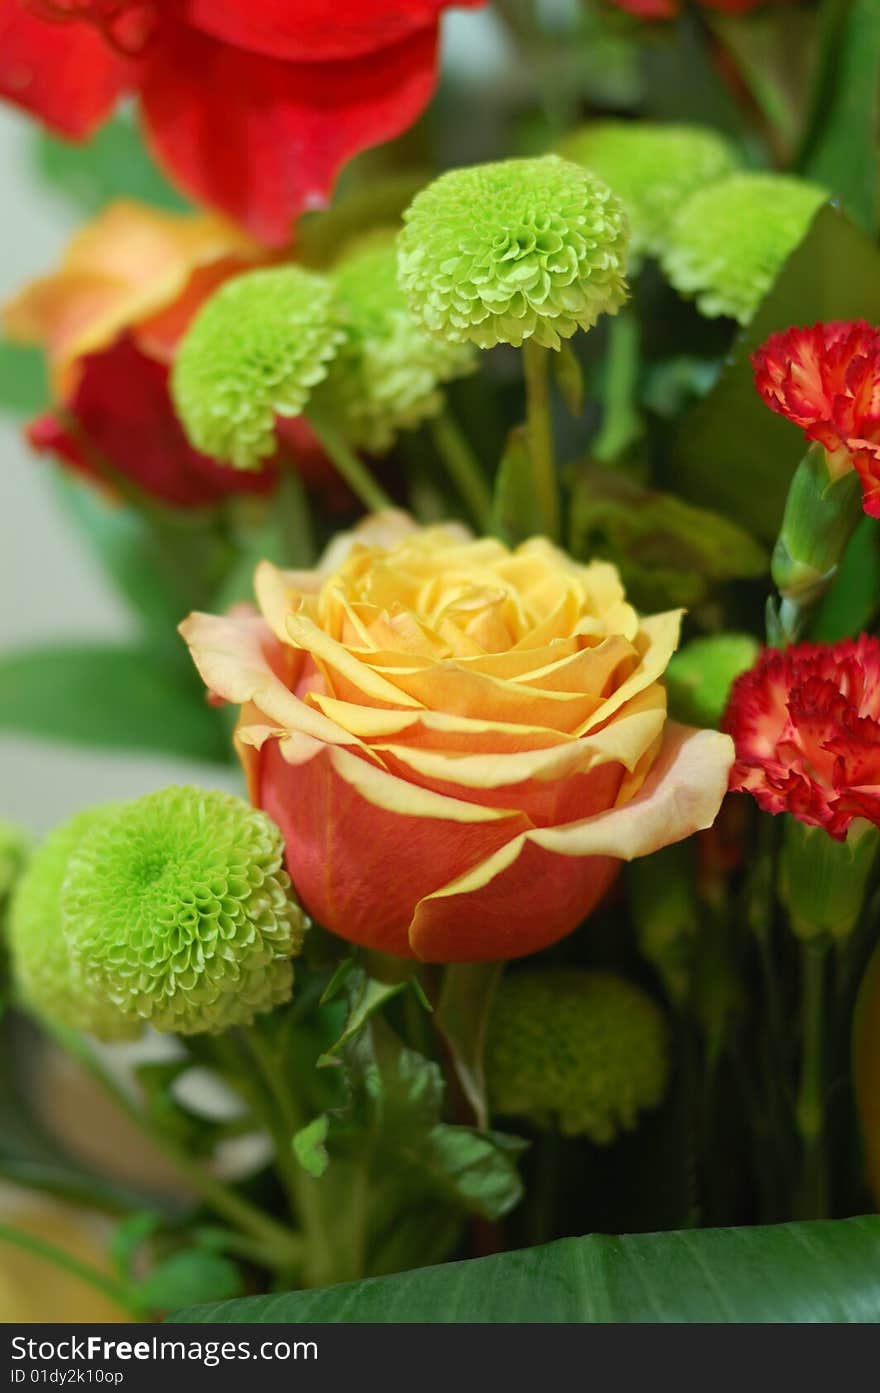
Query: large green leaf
<point>730,452</point>
<point>114,163</point>
<point>811,1272</point>
<point>841,147</point>
<point>109,696</point>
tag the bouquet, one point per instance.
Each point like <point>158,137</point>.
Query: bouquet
<point>485,440</point>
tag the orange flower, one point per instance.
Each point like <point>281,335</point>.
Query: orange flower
<point>460,743</point>
<point>108,321</point>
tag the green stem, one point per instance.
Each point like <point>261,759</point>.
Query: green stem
<point>811,1096</point>
<point>540,429</point>
<point>50,1252</point>
<point>352,469</point>
<point>281,1246</point>
<point>621,423</point>
<point>463,467</point>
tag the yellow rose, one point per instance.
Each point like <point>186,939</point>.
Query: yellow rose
<point>459,742</point>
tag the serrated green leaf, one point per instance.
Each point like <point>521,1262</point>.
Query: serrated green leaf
<point>109,697</point>
<point>811,1273</point>
<point>366,996</point>
<point>732,453</point>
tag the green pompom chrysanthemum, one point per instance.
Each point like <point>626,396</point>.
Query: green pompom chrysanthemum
<point>586,1051</point>
<point>522,249</point>
<point>388,372</point>
<point>652,167</point>
<point>728,243</point>
<point>254,351</point>
<point>43,970</point>
<point>178,912</point>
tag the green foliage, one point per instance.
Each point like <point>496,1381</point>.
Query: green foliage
<point>700,675</point>
<point>113,163</point>
<point>851,604</point>
<point>729,452</point>
<point>515,500</point>
<point>24,389</point>
<point>812,1272</point>
<point>668,552</point>
<point>841,146</point>
<point>109,696</point>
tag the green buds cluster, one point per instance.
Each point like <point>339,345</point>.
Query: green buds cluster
<point>517,250</point>
<point>173,910</point>
<point>728,242</point>
<point>43,970</point>
<point>254,351</point>
<point>652,168</point>
<point>584,1051</point>
<point>388,373</point>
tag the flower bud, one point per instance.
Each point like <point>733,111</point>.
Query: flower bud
<point>520,249</point>
<point>253,352</point>
<point>822,881</point>
<point>584,1051</point>
<point>42,969</point>
<point>728,242</point>
<point>177,911</point>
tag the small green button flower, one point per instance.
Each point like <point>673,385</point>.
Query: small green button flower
<point>254,351</point>
<point>652,168</point>
<point>178,912</point>
<point>42,969</point>
<point>728,243</point>
<point>514,251</point>
<point>388,373</point>
<point>584,1051</point>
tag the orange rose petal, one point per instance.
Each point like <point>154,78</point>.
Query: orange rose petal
<point>359,866</point>
<point>538,887</point>
<point>438,729</point>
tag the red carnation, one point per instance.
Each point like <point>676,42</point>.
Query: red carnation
<point>251,105</point>
<point>806,725</point>
<point>826,379</point>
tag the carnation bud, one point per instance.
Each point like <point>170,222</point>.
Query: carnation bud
<point>584,1051</point>
<point>254,351</point>
<point>822,881</point>
<point>652,168</point>
<point>43,971</point>
<point>178,912</point>
<point>728,242</point>
<point>513,251</point>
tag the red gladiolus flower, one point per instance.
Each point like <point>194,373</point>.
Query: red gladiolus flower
<point>806,725</point>
<point>251,105</point>
<point>826,379</point>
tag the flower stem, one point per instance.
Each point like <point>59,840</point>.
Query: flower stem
<point>540,430</point>
<point>811,1096</point>
<point>281,1246</point>
<point>83,1271</point>
<point>462,466</point>
<point>620,423</point>
<point>352,469</point>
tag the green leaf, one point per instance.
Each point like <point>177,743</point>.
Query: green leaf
<point>130,1236</point>
<point>854,598</point>
<point>24,389</point>
<point>569,378</point>
<point>366,996</point>
<point>790,1273</point>
<point>277,529</point>
<point>309,1148</point>
<point>515,504</point>
<point>109,697</point>
<point>841,149</point>
<point>196,1274</point>
<point>114,163</point>
<point>732,453</point>
<point>462,1017</point>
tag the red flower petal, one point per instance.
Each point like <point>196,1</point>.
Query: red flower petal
<point>263,139</point>
<point>63,73</point>
<point>124,410</point>
<point>312,31</point>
